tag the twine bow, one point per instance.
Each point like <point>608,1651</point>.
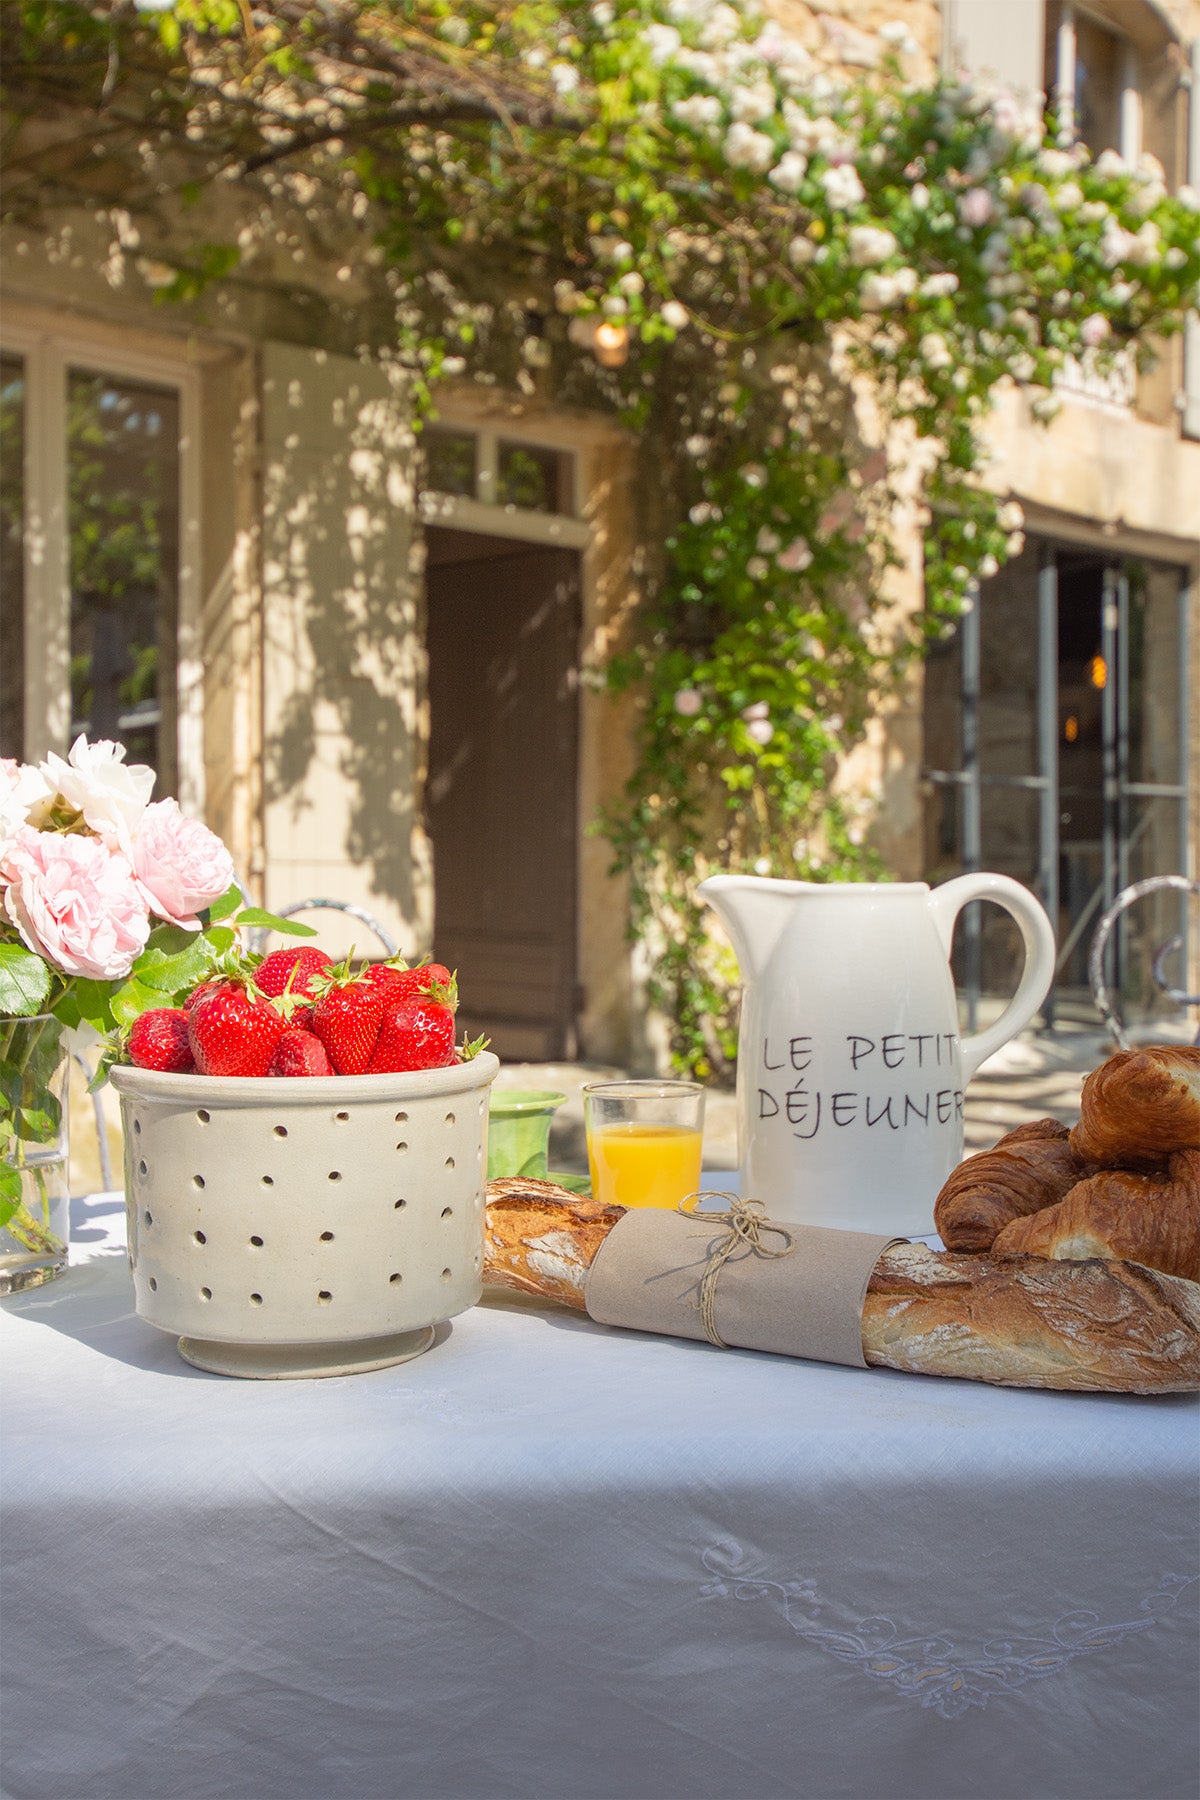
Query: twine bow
<point>743,1223</point>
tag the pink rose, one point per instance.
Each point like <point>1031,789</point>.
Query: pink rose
<point>75,903</point>
<point>181,865</point>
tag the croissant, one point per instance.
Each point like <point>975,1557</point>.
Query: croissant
<point>1138,1107</point>
<point>1034,1166</point>
<point>1149,1219</point>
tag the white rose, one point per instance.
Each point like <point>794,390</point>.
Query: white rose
<point>24,796</point>
<point>96,782</point>
<point>746,148</point>
<point>789,172</point>
<point>870,245</point>
<point>842,185</point>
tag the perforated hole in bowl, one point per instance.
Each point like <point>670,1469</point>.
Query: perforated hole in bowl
<point>198,1237</point>
<point>203,1115</point>
<point>153,1285</point>
<point>446,1274</point>
<point>137,1128</point>
<point>447,1212</point>
<point>402,1146</point>
<point>281,1131</point>
<point>256,1299</point>
<point>335,1174</point>
<point>256,1243</point>
<point>449,1162</point>
<point>206,1293</point>
<point>341,1117</point>
<point>395,1278</point>
<point>148,1217</point>
<point>327,1237</point>
<point>141,1168</point>
<point>268,1181</point>
<point>324,1297</point>
<point>400,1205</point>
<point>197,1181</point>
<point>402,1118</point>
<point>449,1118</point>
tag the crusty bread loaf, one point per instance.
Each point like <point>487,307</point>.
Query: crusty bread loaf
<point>1033,1167</point>
<point>1017,1322</point>
<point>1152,1219</point>
<point>1139,1107</point>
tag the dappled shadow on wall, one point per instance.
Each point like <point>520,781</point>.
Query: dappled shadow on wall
<point>341,580</point>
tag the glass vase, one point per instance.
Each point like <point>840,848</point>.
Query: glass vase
<point>519,1131</point>
<point>35,1192</point>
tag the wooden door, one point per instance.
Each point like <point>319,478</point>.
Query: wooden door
<point>501,804</point>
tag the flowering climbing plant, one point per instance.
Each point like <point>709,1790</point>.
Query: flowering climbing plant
<point>801,290</point>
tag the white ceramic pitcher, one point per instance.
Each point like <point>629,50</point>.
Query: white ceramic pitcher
<point>851,1071</point>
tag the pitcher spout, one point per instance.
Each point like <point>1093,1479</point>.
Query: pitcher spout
<point>754,911</point>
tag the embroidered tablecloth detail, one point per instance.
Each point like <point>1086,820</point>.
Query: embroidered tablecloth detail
<point>931,1670</point>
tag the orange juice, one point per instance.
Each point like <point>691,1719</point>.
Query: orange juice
<point>643,1165</point>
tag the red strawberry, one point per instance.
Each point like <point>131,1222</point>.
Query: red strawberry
<point>198,992</point>
<point>394,982</point>
<point>299,1053</point>
<point>233,1030</point>
<point>292,972</point>
<point>346,1019</point>
<point>158,1039</point>
<point>417,1033</point>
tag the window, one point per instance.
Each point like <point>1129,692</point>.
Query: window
<point>1092,80</point>
<point>99,592</point>
<point>507,472</point>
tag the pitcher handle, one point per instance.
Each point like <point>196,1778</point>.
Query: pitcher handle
<point>1037,933</point>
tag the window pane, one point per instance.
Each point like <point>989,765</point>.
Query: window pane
<point>1156,663</point>
<point>123,524</point>
<point>450,461</point>
<point>1008,670</point>
<point>1097,86</point>
<point>532,477</point>
<point>12,559</point>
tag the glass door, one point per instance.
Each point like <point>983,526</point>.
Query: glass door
<point>1055,715</point>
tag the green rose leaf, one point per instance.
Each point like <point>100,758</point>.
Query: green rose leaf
<point>229,902</point>
<point>254,915</point>
<point>24,981</point>
<point>132,1000</point>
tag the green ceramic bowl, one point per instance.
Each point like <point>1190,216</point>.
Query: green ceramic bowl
<point>519,1131</point>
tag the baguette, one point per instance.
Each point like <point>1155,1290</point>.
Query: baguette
<point>1096,1326</point>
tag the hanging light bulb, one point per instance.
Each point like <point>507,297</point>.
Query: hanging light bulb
<point>611,343</point>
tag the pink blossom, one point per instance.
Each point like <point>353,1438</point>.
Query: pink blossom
<point>976,207</point>
<point>23,796</point>
<point>75,902</point>
<point>796,558</point>
<point>180,864</point>
<point>1094,330</point>
<point>688,702</point>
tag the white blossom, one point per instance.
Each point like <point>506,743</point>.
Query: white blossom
<point>989,567</point>
<point>842,185</point>
<point>789,172</point>
<point>662,41</point>
<point>919,196</point>
<point>1011,516</point>
<point>879,292</point>
<point>758,709</point>
<point>757,567</point>
<point>674,314</point>
<point>698,110</point>
<point>1110,162</point>
<point>870,245</point>
<point>703,512</point>
<point>632,283</point>
<point>614,306</point>
<point>767,541</point>
<point>801,251</point>
<point>762,731</point>
<point>746,148</point>
<point>754,475</point>
<point>940,286</point>
<point>935,351</point>
<point>688,702</point>
<point>752,103</point>
<point>565,77</point>
<point>1189,197</point>
<point>1067,197</point>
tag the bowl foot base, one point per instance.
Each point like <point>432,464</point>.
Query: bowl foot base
<point>305,1362</point>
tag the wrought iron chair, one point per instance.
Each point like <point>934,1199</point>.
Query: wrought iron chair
<point>1101,994</point>
<point>259,938</point>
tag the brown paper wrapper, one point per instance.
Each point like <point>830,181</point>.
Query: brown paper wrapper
<point>648,1272</point>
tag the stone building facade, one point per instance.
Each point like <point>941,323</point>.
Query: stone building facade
<point>294,655</point>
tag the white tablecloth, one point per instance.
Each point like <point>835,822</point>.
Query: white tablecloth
<point>549,1560</point>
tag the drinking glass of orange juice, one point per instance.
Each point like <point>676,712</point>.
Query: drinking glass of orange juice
<point>644,1141</point>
